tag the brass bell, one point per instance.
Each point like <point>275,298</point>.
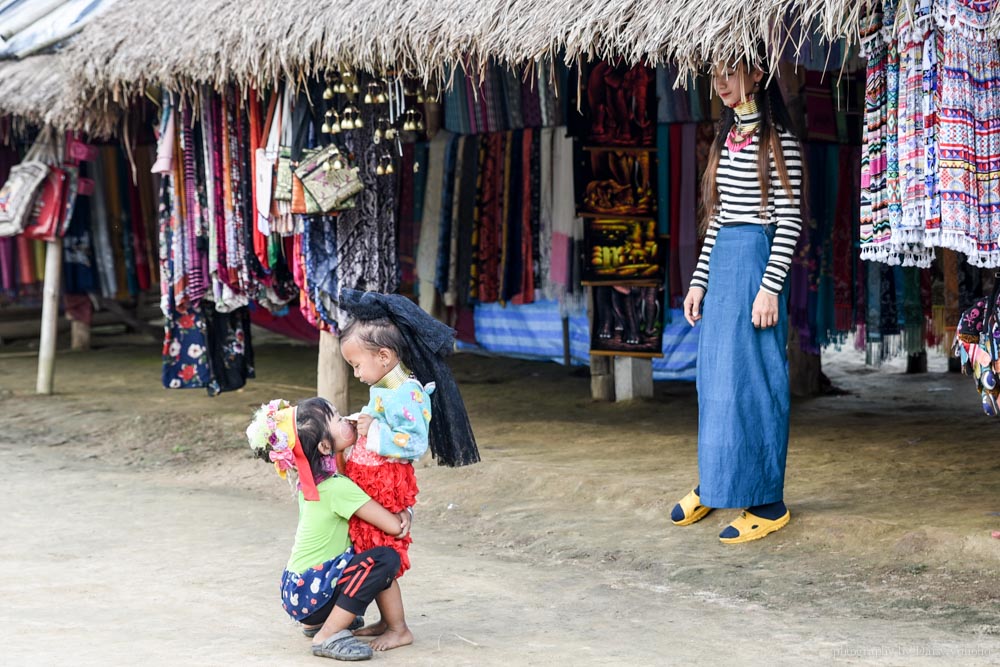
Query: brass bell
<point>341,88</point>
<point>325,128</point>
<point>389,169</point>
<point>335,127</point>
<point>378,132</point>
<point>338,164</point>
<point>369,99</point>
<point>327,166</point>
<point>390,133</point>
<point>408,126</point>
<point>328,93</point>
<point>355,89</point>
<point>347,123</point>
<point>380,170</point>
<point>380,98</point>
<point>358,123</point>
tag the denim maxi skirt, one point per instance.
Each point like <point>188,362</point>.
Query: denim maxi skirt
<point>742,378</point>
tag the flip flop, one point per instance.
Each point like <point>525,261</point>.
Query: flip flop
<point>356,624</point>
<point>752,527</point>
<point>692,508</point>
<point>343,646</point>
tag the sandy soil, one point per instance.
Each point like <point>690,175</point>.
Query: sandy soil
<point>136,528</point>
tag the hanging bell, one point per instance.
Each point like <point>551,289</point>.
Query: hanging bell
<point>416,167</point>
<point>390,133</point>
<point>389,168</point>
<point>358,123</point>
<point>328,93</point>
<point>347,123</point>
<point>380,98</point>
<point>335,127</point>
<point>419,125</point>
<point>325,128</point>
<point>380,170</point>
<point>338,164</point>
<point>407,125</point>
<point>327,166</point>
<point>369,99</point>
<point>354,89</point>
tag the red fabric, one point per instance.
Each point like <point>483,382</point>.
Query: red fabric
<point>394,487</point>
<point>527,294</point>
<point>293,325</point>
<point>25,261</point>
<point>306,482</point>
<point>259,240</point>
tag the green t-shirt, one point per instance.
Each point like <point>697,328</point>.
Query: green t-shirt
<point>322,532</point>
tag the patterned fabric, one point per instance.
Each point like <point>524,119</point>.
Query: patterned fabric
<point>933,112</point>
<point>304,593</point>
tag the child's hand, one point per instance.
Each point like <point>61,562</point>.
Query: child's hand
<point>364,422</point>
<point>404,520</point>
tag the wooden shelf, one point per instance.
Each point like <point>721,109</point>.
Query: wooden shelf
<point>625,282</point>
<point>612,216</point>
<point>620,149</point>
<point>616,353</point>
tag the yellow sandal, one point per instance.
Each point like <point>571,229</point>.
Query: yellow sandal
<point>693,509</point>
<point>752,527</point>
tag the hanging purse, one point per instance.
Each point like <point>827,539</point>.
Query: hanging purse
<point>17,196</point>
<point>977,344</point>
<point>330,187</point>
<point>49,211</point>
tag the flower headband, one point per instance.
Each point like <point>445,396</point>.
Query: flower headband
<point>273,436</point>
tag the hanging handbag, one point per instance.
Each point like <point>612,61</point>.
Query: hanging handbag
<point>330,187</point>
<point>48,212</point>
<point>977,344</point>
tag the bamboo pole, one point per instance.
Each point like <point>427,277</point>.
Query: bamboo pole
<point>50,316</point>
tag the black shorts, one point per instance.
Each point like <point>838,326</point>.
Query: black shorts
<point>368,574</point>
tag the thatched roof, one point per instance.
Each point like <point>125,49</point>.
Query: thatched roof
<point>39,90</point>
<point>137,42</point>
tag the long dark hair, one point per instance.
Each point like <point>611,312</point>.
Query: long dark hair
<point>774,119</point>
<point>312,419</point>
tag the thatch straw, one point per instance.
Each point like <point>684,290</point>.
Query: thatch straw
<point>185,45</point>
<point>39,91</point>
<point>216,42</point>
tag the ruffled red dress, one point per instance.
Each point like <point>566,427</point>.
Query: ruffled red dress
<point>391,483</point>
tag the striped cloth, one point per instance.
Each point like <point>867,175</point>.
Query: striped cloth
<point>739,203</point>
<point>534,331</point>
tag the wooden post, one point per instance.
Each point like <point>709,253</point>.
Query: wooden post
<point>633,378</point>
<point>805,372</point>
<point>50,316</point>
<point>333,375</point>
<point>602,378</point>
<point>79,336</point>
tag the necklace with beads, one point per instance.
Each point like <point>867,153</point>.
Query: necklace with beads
<point>747,121</point>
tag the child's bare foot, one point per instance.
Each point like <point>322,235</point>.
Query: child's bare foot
<point>372,630</point>
<point>392,638</point>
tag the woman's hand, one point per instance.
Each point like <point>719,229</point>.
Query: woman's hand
<point>364,422</point>
<point>692,305</point>
<point>765,310</point>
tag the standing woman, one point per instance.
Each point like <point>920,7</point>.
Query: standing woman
<point>751,192</point>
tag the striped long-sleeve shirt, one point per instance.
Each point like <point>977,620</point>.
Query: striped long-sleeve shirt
<point>739,203</point>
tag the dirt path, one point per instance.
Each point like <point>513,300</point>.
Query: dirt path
<point>136,529</point>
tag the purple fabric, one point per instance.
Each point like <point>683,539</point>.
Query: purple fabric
<point>7,279</point>
<point>688,242</point>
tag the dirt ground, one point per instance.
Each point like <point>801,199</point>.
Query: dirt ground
<point>137,528</point>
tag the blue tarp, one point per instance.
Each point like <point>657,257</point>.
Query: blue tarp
<point>534,331</point>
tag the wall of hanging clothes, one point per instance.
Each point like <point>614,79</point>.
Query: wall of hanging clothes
<point>272,200</point>
<point>87,195</point>
<point>932,139</point>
